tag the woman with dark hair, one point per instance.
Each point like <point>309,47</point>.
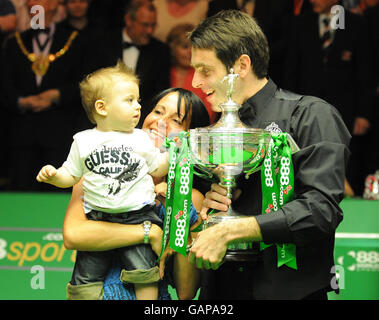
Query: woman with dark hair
<point>195,113</point>
<point>175,110</point>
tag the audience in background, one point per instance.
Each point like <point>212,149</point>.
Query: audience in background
<point>136,46</point>
<point>273,16</point>
<point>7,18</point>
<point>173,12</point>
<point>91,34</point>
<point>7,25</point>
<point>345,73</point>
<point>76,14</point>
<point>181,72</point>
<point>334,63</point>
<point>23,13</point>
<point>40,73</point>
<point>109,12</point>
<point>371,14</point>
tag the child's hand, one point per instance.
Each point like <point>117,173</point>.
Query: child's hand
<point>162,262</point>
<point>46,174</point>
<point>160,190</point>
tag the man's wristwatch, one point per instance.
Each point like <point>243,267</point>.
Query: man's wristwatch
<point>146,228</point>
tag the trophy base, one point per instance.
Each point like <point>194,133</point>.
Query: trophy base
<point>241,251</point>
<point>241,255</point>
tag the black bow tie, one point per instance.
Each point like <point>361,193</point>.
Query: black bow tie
<point>127,45</point>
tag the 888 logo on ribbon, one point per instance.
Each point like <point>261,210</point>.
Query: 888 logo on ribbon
<point>267,163</point>
<point>285,171</point>
<point>184,180</point>
<point>181,205</point>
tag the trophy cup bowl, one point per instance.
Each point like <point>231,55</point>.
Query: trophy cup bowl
<point>226,154</point>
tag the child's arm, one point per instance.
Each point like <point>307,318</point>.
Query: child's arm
<point>162,168</point>
<point>60,178</point>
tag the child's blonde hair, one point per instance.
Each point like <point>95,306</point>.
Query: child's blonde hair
<point>99,84</point>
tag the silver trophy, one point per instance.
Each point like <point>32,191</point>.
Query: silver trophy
<point>223,152</point>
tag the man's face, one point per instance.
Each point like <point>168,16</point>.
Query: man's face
<point>209,72</point>
<point>323,6</point>
<point>142,28</point>
<point>48,5</point>
<point>77,8</point>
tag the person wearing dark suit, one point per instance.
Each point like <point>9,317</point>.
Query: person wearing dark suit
<point>7,25</point>
<point>109,13</point>
<point>91,32</point>
<point>331,60</point>
<point>274,17</point>
<point>42,96</point>
<point>135,45</point>
<point>309,220</point>
<point>371,15</point>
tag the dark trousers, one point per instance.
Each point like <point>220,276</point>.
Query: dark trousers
<point>234,281</point>
<point>93,266</point>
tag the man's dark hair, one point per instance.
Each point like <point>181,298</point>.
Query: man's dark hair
<point>232,33</point>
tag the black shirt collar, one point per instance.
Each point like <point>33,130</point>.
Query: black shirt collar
<point>256,103</point>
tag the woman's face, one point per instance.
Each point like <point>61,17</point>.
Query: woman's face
<point>182,53</point>
<point>77,8</point>
<point>164,119</point>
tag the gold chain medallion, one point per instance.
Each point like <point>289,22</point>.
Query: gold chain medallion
<point>41,63</point>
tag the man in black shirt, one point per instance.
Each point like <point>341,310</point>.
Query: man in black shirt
<point>233,39</point>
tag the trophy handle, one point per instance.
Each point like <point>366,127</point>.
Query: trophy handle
<point>204,174</point>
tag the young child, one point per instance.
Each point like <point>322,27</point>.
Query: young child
<point>115,161</point>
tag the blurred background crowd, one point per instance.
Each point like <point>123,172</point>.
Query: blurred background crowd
<point>40,101</point>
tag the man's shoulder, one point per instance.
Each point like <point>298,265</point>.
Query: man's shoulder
<point>303,100</point>
<point>157,44</point>
<point>304,103</point>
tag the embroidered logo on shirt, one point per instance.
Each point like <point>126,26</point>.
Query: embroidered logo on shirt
<point>273,127</point>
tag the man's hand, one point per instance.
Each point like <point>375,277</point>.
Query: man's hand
<point>46,99</point>
<point>40,102</point>
<point>51,95</point>
<point>47,174</point>
<point>209,248</point>
<point>361,125</point>
<point>215,199</point>
<point>29,102</point>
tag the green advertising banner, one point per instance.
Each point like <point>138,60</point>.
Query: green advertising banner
<point>356,251</point>
<point>35,265</point>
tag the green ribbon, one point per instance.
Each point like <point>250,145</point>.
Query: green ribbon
<point>277,176</point>
<point>172,151</point>
<point>176,223</point>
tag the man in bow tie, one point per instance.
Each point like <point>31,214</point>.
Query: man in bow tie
<point>135,45</point>
<point>40,86</point>
<point>332,60</point>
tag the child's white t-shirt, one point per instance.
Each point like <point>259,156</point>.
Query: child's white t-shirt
<point>115,167</point>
